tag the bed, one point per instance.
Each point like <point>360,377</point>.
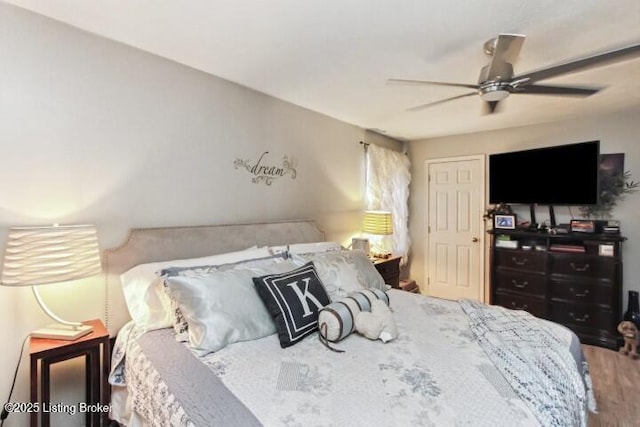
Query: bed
<point>452,363</point>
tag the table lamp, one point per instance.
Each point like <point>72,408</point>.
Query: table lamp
<point>46,255</point>
<point>378,223</point>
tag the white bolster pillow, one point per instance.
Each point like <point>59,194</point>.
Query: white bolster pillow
<point>338,319</point>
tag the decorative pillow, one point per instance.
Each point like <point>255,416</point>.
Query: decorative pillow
<point>148,303</point>
<point>180,324</point>
<point>365,298</point>
<point>294,299</point>
<point>223,307</point>
<point>306,248</point>
<point>338,319</point>
<point>343,272</point>
<point>200,270</point>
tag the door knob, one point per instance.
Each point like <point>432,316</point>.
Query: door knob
<point>474,240</point>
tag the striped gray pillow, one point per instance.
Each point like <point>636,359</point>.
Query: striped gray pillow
<point>338,319</point>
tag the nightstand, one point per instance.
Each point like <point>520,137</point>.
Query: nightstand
<point>95,348</point>
<point>389,269</point>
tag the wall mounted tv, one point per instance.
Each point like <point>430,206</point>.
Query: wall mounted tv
<point>562,175</point>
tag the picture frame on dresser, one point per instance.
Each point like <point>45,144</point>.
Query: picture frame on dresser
<point>504,221</point>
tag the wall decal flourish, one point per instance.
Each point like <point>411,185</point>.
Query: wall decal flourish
<point>266,173</point>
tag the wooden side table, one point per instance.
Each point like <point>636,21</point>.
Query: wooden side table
<point>45,352</point>
<point>389,269</point>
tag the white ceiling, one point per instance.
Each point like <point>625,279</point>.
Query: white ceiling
<point>334,56</point>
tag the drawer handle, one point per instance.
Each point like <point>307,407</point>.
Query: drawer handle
<point>583,294</point>
<point>515,261</point>
<point>519,285</point>
<point>584,268</point>
<point>579,319</point>
<point>515,306</point>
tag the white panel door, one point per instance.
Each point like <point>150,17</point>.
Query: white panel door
<point>454,267</point>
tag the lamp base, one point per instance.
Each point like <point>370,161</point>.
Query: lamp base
<point>381,255</point>
<point>58,331</point>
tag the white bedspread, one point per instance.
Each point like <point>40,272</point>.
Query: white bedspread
<point>434,374</point>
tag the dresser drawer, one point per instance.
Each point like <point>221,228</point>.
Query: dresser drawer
<point>583,315</point>
<point>531,283</point>
<point>583,292</point>
<point>522,260</point>
<point>533,306</point>
<point>580,265</point>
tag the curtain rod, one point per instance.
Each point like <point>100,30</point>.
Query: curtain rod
<point>366,145</point>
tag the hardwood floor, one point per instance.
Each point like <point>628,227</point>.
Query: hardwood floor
<point>616,384</point>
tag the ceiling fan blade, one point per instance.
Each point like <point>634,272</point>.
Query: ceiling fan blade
<point>431,104</point>
<point>508,47</point>
<point>505,52</point>
<point>581,64</point>
<point>425,82</point>
<point>556,90</point>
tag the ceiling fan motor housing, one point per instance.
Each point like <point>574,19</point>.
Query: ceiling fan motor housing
<point>495,71</point>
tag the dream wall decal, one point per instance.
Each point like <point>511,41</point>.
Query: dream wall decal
<point>262,171</point>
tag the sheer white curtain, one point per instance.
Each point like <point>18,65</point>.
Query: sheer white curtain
<point>387,189</point>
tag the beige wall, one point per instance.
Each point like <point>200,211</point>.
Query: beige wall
<point>94,131</point>
<point>618,133</point>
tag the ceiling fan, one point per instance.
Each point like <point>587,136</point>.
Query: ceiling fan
<point>497,80</point>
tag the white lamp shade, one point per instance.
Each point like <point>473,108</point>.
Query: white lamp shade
<point>377,222</point>
<point>42,255</point>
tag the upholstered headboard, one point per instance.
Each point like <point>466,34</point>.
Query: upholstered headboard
<point>146,245</point>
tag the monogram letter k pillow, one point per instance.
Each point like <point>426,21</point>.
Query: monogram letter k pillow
<point>294,300</point>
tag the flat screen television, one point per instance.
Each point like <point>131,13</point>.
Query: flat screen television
<point>562,175</point>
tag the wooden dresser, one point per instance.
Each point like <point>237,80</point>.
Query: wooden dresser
<point>573,279</point>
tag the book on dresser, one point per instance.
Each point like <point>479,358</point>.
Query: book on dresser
<point>567,248</point>
<point>576,282</point>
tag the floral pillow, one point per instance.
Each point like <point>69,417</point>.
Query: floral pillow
<point>343,272</point>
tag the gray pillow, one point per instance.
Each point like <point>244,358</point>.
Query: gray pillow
<point>223,307</point>
<point>180,325</point>
<point>343,272</point>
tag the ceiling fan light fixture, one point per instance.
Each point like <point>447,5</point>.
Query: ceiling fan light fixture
<point>494,92</point>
